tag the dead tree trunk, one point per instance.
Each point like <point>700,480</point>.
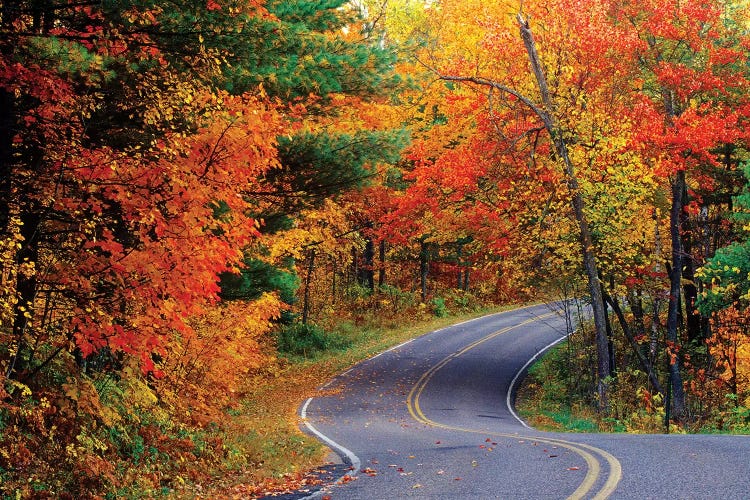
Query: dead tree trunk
<point>546,114</point>
<point>589,261</point>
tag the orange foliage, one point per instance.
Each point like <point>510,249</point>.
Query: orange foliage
<point>730,347</point>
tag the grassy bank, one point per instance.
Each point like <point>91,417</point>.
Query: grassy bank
<point>558,395</point>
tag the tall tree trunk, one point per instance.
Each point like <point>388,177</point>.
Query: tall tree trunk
<point>26,289</point>
<point>589,261</point>
<point>645,363</point>
<point>25,286</point>
<point>610,335</point>
<point>355,267</point>
<point>459,264</point>
<point>424,268</point>
<point>381,268</point>
<point>635,300</point>
<point>308,279</point>
<point>7,131</point>
<point>10,10</point>
<point>656,304</point>
<point>366,275</point>
<point>334,270</point>
<point>675,285</point>
<point>689,289</point>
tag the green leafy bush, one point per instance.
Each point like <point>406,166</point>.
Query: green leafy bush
<point>307,339</point>
<point>439,308</point>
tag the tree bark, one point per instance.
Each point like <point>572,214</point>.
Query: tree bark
<point>334,269</point>
<point>308,278</point>
<point>459,264</point>
<point>656,304</point>
<point>381,269</point>
<point>689,290</point>
<point>366,271</point>
<point>675,285</point>
<point>10,11</point>
<point>424,269</point>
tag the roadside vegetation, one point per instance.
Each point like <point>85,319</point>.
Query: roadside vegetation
<point>557,393</point>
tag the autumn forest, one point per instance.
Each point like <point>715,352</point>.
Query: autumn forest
<point>199,199</point>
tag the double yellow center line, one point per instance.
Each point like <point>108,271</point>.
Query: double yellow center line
<point>587,452</point>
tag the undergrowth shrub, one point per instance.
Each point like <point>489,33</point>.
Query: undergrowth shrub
<point>462,301</point>
<point>396,299</point>
<point>439,309</point>
<point>306,340</point>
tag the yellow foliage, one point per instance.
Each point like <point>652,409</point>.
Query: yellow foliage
<point>202,374</point>
<point>87,401</point>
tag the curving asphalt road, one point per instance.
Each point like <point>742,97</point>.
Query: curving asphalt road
<point>433,419</point>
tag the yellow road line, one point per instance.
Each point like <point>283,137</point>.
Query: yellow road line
<point>592,463</point>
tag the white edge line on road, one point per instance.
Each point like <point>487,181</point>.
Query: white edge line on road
<point>353,459</point>
<point>513,382</point>
<point>402,344</point>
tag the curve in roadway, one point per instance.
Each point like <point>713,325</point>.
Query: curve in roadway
<point>432,418</point>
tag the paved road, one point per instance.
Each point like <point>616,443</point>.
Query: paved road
<point>431,419</point>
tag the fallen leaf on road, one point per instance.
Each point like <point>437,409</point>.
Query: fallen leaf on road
<point>416,486</point>
<point>573,468</point>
